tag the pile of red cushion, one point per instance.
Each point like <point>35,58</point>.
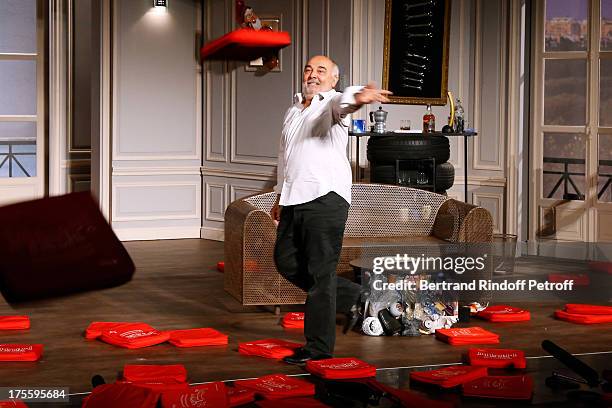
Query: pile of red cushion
<point>585,314</point>
<point>468,335</point>
<point>18,352</point>
<point>340,368</point>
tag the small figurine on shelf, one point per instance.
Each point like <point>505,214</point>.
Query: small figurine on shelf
<point>429,121</point>
<point>459,117</point>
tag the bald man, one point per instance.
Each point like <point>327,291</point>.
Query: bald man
<point>313,198</point>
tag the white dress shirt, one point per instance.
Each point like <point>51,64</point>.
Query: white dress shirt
<point>312,159</point>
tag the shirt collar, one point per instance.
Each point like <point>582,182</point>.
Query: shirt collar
<point>298,97</point>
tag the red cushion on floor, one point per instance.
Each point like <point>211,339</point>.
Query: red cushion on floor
<point>408,398</point>
<point>12,404</point>
<point>293,320</point>
<point>580,308</point>
<point>501,313</point>
<point>519,387</point>
<point>197,337</point>
<point>468,335</point>
<point>341,368</point>
<point>166,374</point>
<point>239,396</point>
<point>579,279</point>
<point>278,386</point>
<point>245,44</point>
<point>205,395</point>
<point>450,376</point>
<point>20,352</point>
<point>582,318</point>
<point>134,335</point>
<point>95,329</point>
<point>14,322</point>
<point>119,395</point>
<point>56,246</point>
<point>497,358</point>
<point>303,402</point>
<point>268,348</point>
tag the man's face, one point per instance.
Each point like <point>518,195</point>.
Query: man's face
<point>318,76</point>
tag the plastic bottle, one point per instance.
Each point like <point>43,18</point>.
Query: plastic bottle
<point>429,121</point>
<point>459,117</point>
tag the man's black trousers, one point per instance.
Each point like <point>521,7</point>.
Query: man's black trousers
<point>308,244</point>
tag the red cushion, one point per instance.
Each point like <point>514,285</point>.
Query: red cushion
<point>205,395</point>
<point>221,266</point>
<point>303,402</point>
<point>293,320</point>
<point>119,395</point>
<point>245,44</point>
<point>239,396</point>
<point>341,368</point>
<point>20,352</point>
<point>278,386</point>
<point>501,313</point>
<point>134,335</point>
<point>588,309</point>
<point>12,404</point>
<point>582,318</point>
<point>14,322</point>
<point>496,358</point>
<point>56,246</point>
<point>450,376</point>
<point>166,374</point>
<point>268,348</point>
<point>197,337</point>
<point>95,329</point>
<point>468,335</point>
<point>518,387</point>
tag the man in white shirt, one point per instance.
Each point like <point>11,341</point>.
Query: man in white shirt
<point>313,199</point>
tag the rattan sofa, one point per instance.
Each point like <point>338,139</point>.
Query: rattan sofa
<point>379,213</point>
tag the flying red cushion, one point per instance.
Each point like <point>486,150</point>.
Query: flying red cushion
<point>14,322</point>
<point>278,386</point>
<point>341,368</point>
<point>517,387</point>
<point>134,335</point>
<point>197,337</point>
<point>501,313</point>
<point>20,352</point>
<point>205,395</point>
<point>245,45</point>
<point>497,358</point>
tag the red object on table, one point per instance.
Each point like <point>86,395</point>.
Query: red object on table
<point>197,337</point>
<point>468,335</point>
<point>340,368</point>
<point>121,395</point>
<point>269,348</point>
<point>277,386</point>
<point>448,377</point>
<point>582,318</point>
<point>14,322</point>
<point>134,335</point>
<point>293,320</point>
<point>239,396</point>
<point>579,308</point>
<point>517,387</point>
<point>205,395</point>
<point>497,358</point>
<point>95,329</point>
<point>245,44</point>
<point>151,373</point>
<point>501,313</point>
<point>20,352</point>
<point>221,266</point>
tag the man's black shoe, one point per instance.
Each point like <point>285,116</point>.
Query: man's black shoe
<point>301,356</point>
<point>352,318</point>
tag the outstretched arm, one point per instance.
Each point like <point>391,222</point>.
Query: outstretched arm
<point>354,97</point>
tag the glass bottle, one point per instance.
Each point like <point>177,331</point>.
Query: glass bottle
<point>429,121</point>
<point>459,117</point>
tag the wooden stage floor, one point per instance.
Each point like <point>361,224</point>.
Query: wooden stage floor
<point>176,286</point>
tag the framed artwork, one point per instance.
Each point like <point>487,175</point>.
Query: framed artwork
<point>258,65</point>
<point>415,55</point>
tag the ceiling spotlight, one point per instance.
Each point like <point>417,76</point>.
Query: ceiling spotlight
<point>160,3</point>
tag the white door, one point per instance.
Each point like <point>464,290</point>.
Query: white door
<point>22,84</point>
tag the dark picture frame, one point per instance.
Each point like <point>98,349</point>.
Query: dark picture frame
<point>416,48</point>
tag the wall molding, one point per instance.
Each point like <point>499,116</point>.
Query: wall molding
<point>498,214</point>
<point>208,201</point>
<point>156,171</point>
<point>156,233</point>
<point>481,181</point>
<point>249,175</point>
<point>214,234</point>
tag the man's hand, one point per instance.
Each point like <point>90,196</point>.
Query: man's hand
<point>371,94</point>
<point>276,209</point>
